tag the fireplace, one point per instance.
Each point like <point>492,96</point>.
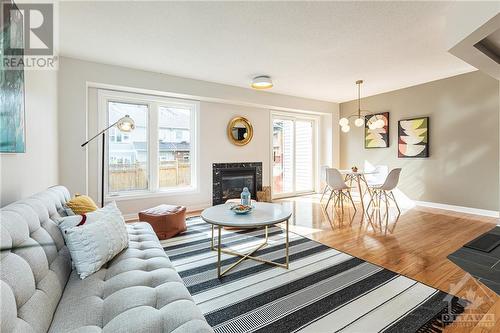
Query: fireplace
<point>229,179</point>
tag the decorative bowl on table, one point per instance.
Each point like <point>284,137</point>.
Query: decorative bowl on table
<point>241,209</point>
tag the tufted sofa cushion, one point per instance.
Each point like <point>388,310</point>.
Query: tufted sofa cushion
<point>138,291</point>
<point>35,263</point>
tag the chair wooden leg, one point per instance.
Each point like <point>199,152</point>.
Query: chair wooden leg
<point>394,199</point>
<point>371,200</point>
<point>336,200</point>
<point>341,198</point>
<point>379,206</point>
<point>386,207</point>
<point>324,192</point>
<point>352,201</point>
<point>369,191</point>
<point>329,199</point>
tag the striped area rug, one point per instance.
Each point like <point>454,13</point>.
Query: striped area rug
<point>324,290</point>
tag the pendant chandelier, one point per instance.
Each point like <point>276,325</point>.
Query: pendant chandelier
<point>359,121</point>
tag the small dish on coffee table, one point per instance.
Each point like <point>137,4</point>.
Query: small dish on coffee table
<point>241,209</point>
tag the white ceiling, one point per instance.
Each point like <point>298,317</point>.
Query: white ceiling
<point>311,49</point>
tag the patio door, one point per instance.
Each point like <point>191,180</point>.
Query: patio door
<point>293,155</point>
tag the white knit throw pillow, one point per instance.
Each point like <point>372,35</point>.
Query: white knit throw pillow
<point>97,241</point>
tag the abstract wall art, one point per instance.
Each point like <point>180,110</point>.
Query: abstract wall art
<point>12,125</point>
<point>377,136</point>
<point>413,138</point>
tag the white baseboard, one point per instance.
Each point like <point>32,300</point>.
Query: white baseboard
<point>460,209</point>
<point>198,207</point>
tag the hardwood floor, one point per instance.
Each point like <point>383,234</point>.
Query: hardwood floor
<point>415,245</point>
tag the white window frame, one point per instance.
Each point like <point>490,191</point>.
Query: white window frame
<point>153,103</point>
<point>294,116</point>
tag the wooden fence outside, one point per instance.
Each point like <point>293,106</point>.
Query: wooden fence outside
<point>124,177</point>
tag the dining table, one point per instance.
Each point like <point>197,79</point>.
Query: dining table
<point>358,177</point>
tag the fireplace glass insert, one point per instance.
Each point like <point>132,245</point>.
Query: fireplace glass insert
<point>234,180</point>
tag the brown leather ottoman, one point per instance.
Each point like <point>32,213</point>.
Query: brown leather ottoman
<point>166,220</point>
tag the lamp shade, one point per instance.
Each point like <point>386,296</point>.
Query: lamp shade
<point>126,124</point>
<point>359,122</point>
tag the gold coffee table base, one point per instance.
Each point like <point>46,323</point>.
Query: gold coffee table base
<point>247,255</point>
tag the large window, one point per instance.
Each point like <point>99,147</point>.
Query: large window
<point>159,155</point>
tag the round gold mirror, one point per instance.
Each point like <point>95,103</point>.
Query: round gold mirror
<point>239,131</point>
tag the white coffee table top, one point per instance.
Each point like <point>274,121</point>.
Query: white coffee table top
<point>263,214</point>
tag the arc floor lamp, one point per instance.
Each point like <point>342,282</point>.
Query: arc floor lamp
<point>124,124</point>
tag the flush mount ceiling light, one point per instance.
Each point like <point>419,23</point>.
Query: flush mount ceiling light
<point>360,121</point>
<point>262,82</point>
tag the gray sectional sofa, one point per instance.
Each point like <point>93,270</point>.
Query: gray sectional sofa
<point>138,291</point>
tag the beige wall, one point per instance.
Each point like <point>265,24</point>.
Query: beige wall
<point>35,170</point>
<point>464,140</point>
<point>218,105</point>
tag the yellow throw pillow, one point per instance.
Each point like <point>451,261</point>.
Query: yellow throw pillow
<point>82,204</point>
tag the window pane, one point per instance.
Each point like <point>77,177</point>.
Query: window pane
<point>175,147</point>
<point>282,156</point>
<point>128,152</point>
<point>304,155</point>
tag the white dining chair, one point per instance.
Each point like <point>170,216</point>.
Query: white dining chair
<point>375,176</point>
<point>385,191</point>
<point>339,189</point>
<point>324,169</point>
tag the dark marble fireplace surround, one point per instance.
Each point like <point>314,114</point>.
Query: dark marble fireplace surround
<point>228,180</point>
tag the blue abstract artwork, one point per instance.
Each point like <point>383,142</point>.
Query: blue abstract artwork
<point>12,119</point>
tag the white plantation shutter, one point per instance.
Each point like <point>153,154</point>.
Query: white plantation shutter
<point>304,156</point>
<point>293,154</point>
<point>287,156</point>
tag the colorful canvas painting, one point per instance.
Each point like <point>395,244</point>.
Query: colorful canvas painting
<point>12,134</point>
<point>377,137</point>
<point>413,137</point>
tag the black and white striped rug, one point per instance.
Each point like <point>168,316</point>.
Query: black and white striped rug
<point>324,290</point>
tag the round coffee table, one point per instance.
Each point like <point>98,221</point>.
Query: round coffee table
<point>263,215</point>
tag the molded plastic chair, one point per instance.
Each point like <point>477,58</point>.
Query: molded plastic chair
<point>324,169</point>
<point>338,187</point>
<point>375,175</point>
<point>378,176</point>
<point>385,190</point>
